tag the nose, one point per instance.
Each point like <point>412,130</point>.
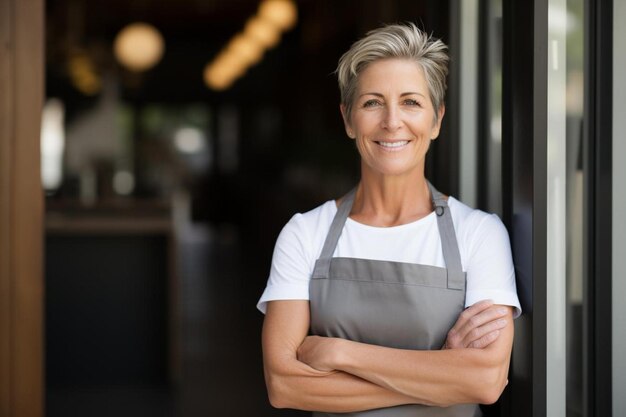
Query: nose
<point>391,120</point>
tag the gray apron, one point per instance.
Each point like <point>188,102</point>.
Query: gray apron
<point>393,304</point>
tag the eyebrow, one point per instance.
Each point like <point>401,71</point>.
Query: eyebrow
<point>408,93</point>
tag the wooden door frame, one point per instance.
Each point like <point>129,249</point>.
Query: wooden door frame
<point>21,209</point>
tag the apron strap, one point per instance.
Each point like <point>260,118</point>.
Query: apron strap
<point>449,245</point>
<point>322,266</point>
<point>450,248</point>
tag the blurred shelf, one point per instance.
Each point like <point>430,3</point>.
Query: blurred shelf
<point>109,217</point>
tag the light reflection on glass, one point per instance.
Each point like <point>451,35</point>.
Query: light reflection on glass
<point>52,144</point>
<point>494,109</point>
<point>574,136</point>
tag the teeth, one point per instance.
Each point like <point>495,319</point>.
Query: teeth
<point>393,144</point>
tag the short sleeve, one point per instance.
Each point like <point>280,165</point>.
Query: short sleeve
<point>291,265</point>
<point>490,270</point>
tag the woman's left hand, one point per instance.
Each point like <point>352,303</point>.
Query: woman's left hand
<point>478,326</point>
<point>318,352</point>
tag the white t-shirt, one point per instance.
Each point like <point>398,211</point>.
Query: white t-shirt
<point>482,238</point>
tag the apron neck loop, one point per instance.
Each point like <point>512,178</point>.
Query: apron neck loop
<point>439,202</point>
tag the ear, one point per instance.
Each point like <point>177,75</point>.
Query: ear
<point>437,125</point>
<point>346,121</point>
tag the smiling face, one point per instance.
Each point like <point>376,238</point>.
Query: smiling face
<point>392,118</point>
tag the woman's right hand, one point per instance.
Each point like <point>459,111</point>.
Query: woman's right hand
<point>478,326</point>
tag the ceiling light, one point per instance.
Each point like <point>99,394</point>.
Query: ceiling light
<point>139,46</point>
<point>246,49</point>
<point>83,74</point>
<point>262,31</point>
<point>282,13</point>
<point>219,76</point>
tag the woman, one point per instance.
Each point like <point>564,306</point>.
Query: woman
<point>364,292</point>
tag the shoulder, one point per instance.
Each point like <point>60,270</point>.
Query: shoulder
<point>473,221</point>
<point>478,231</point>
<point>305,232</point>
<point>313,221</point>
<point>295,252</point>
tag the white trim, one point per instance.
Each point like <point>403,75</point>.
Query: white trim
<point>619,210</point>
<point>556,212</point>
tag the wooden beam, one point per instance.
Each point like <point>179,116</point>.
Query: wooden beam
<point>6,132</point>
<point>21,208</point>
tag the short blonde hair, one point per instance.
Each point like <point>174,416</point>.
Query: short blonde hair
<point>395,41</point>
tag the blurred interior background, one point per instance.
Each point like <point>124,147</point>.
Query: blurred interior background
<point>178,137</point>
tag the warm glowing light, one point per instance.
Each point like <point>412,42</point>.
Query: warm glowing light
<point>245,49</point>
<point>231,64</point>
<point>262,31</point>
<point>83,75</point>
<point>139,46</point>
<point>282,13</point>
<point>218,76</point>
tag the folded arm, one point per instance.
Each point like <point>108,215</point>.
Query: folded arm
<point>307,375</point>
<point>294,384</point>
<point>432,377</point>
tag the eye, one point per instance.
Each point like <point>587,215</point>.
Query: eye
<point>371,103</point>
<point>412,102</point>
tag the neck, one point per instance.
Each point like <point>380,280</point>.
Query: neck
<point>384,200</point>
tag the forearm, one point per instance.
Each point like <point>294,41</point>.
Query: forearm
<point>294,384</point>
<point>430,377</point>
<point>459,374</point>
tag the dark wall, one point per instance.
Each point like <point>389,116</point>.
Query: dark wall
<point>106,310</point>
